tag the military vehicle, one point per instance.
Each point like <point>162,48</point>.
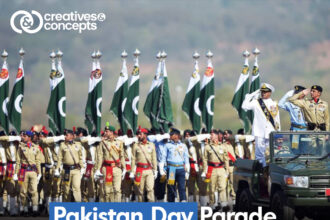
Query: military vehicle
<point>296,180</point>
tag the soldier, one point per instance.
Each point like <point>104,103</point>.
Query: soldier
<point>175,155</point>
<point>28,172</point>
<point>216,169</point>
<point>112,162</point>
<point>9,154</point>
<point>315,110</point>
<point>194,168</point>
<point>266,118</point>
<point>144,166</point>
<point>228,143</point>
<point>70,156</point>
<point>243,144</point>
<point>298,122</point>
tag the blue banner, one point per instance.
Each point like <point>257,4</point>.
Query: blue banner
<point>122,211</point>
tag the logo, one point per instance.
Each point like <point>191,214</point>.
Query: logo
<point>209,71</point>
<point>31,23</point>
<point>19,73</point>
<point>26,21</point>
<point>4,74</point>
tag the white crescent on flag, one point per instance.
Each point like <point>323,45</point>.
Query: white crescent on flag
<point>123,104</point>
<point>134,103</point>
<point>98,102</point>
<point>60,106</point>
<point>4,106</point>
<point>196,107</point>
<point>17,103</point>
<point>208,105</point>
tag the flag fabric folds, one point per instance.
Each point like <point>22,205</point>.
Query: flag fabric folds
<point>255,85</point>
<point>4,99</point>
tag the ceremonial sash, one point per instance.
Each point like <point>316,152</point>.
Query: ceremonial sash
<point>21,175</point>
<point>47,173</point>
<point>128,169</point>
<point>66,175</point>
<point>140,167</point>
<point>267,113</point>
<point>193,172</point>
<point>2,171</point>
<point>171,172</point>
<point>88,172</point>
<point>109,165</point>
<point>210,168</point>
<point>10,170</point>
<point>231,157</point>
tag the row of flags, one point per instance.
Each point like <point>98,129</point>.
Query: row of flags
<point>244,87</point>
<point>198,103</point>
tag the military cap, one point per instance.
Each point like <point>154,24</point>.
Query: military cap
<point>215,131</point>
<point>81,130</point>
<point>28,133</point>
<point>141,130</point>
<point>187,131</point>
<point>228,131</point>
<point>12,133</point>
<point>68,131</point>
<point>318,88</point>
<point>174,131</point>
<point>110,128</point>
<point>298,89</point>
<point>2,133</point>
<point>265,87</point>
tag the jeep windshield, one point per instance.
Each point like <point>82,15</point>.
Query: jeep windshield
<point>289,146</point>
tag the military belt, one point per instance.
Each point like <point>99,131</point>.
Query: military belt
<point>298,126</point>
<point>70,167</point>
<point>29,167</point>
<point>144,165</point>
<point>215,165</point>
<point>110,163</point>
<point>175,165</point>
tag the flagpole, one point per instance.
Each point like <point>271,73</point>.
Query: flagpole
<point>256,52</point>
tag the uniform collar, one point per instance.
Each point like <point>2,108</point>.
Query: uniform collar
<point>29,144</point>
<point>70,142</point>
<point>179,142</point>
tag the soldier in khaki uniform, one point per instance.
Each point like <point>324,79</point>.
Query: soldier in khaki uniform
<point>112,161</point>
<point>10,145</point>
<point>28,172</point>
<point>216,169</point>
<point>315,110</point>
<point>144,166</point>
<point>228,143</point>
<point>70,156</point>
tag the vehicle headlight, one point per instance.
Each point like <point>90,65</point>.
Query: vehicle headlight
<point>296,181</point>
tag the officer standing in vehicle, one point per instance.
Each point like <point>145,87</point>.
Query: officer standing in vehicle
<point>70,156</point>
<point>315,110</point>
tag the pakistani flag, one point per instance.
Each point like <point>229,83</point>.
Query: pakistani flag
<point>117,105</point>
<point>164,115</point>
<point>93,110</point>
<point>255,84</point>
<point>206,102</point>
<point>190,104</point>
<point>242,88</point>
<point>150,108</point>
<point>57,102</point>
<point>4,87</point>
<point>131,108</point>
<point>16,99</point>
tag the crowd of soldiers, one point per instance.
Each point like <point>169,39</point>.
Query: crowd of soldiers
<point>38,168</point>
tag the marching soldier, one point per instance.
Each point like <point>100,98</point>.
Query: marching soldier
<point>215,169</point>
<point>70,156</point>
<point>228,143</point>
<point>298,122</point>
<point>175,155</point>
<point>144,166</point>
<point>10,144</point>
<point>112,162</point>
<point>243,143</point>
<point>266,118</point>
<point>315,110</point>
<point>28,172</point>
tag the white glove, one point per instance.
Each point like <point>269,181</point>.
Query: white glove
<point>187,167</point>
<point>196,168</point>
<point>129,141</point>
<point>255,94</point>
<point>59,138</point>
<point>202,137</point>
<point>14,138</point>
<point>161,169</point>
<point>122,138</point>
<point>155,174</point>
<point>160,137</point>
<point>203,175</point>
<point>82,172</point>
<point>131,175</point>
<point>15,178</point>
<point>187,175</point>
<point>97,174</point>
<point>123,174</point>
<point>56,173</point>
<point>39,177</point>
<point>93,140</point>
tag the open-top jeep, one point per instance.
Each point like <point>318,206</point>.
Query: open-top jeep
<point>296,180</point>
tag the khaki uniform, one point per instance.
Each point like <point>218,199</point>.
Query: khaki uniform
<point>27,169</point>
<point>41,158</point>
<point>127,184</point>
<point>144,164</point>
<point>232,159</point>
<point>315,113</point>
<point>70,155</point>
<point>87,183</point>
<point>193,177</point>
<point>111,160</point>
<point>216,166</point>
<point>100,193</point>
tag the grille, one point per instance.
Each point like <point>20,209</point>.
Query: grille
<point>319,182</point>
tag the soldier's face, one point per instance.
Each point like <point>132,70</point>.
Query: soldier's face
<point>226,135</point>
<point>69,137</point>
<point>141,136</point>
<point>26,138</point>
<point>214,137</point>
<point>109,134</point>
<point>220,137</point>
<point>315,94</point>
<point>175,137</point>
<point>265,95</point>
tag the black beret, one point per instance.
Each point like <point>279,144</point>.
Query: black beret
<point>68,131</point>
<point>318,88</point>
<point>174,131</point>
<point>298,89</point>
